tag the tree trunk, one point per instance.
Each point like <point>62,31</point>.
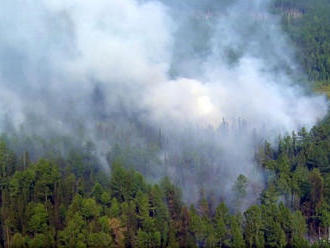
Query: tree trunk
<point>8,243</point>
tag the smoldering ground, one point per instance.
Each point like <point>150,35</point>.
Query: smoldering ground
<point>152,81</point>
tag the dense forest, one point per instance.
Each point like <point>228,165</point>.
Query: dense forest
<point>308,25</point>
<point>71,203</point>
<point>55,193</point>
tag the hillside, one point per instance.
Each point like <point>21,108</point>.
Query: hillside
<point>162,123</point>
<point>71,203</point>
<point>308,25</point>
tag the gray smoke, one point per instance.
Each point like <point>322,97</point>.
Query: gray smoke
<point>188,87</point>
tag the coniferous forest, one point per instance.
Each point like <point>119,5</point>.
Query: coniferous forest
<point>308,25</point>
<point>55,193</point>
<point>71,203</point>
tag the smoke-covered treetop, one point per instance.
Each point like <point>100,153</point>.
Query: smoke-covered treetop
<point>196,84</point>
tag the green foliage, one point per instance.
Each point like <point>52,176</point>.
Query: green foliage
<point>254,227</point>
<point>18,241</point>
<point>49,205</point>
<point>46,208</point>
<point>99,240</point>
<point>38,218</point>
<point>222,222</point>
<point>70,202</point>
<point>75,232</point>
<point>239,190</point>
<point>40,240</point>
<point>237,240</point>
<point>308,25</point>
<point>125,184</point>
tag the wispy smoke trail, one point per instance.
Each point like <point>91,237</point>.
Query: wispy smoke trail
<point>107,70</point>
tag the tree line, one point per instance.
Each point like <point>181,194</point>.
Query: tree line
<point>69,202</point>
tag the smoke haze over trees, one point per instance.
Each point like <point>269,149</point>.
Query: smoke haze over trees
<point>203,78</point>
<point>213,96</point>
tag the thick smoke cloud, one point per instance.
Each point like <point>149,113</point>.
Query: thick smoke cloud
<point>211,78</point>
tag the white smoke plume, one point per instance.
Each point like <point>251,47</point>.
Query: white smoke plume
<point>176,66</point>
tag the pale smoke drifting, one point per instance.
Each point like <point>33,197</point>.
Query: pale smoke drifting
<point>179,67</point>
